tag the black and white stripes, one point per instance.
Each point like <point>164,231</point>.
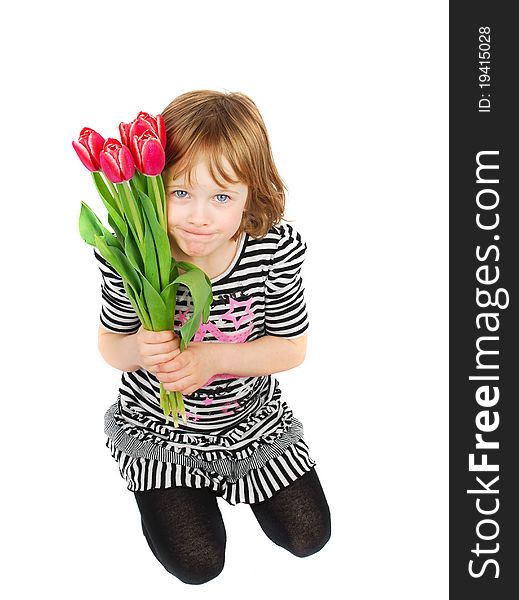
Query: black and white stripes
<point>255,486</point>
<point>241,439</point>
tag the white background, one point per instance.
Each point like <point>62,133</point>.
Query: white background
<point>354,96</point>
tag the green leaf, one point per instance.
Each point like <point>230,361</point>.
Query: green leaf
<point>133,187</point>
<point>117,231</point>
<point>132,212</point>
<point>104,192</point>
<point>169,296</point>
<point>201,292</point>
<point>207,307</point>
<point>111,204</point>
<point>89,224</point>
<point>131,281</point>
<point>147,325</point>
<point>139,181</point>
<point>138,304</point>
<point>151,269</point>
<point>160,238</point>
<point>135,302</point>
<point>157,194</point>
<point>131,250</point>
<point>159,317</point>
<point>173,272</point>
<point>162,191</point>
<point>112,241</point>
<point>119,262</point>
<point>119,222</point>
<point>187,266</point>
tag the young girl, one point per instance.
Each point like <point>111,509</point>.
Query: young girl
<point>225,200</point>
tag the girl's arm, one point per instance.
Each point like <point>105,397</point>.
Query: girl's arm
<point>118,350</point>
<point>264,356</point>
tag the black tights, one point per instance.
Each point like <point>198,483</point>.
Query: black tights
<point>185,530</point>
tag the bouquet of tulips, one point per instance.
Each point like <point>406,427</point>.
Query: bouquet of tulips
<point>127,176</point>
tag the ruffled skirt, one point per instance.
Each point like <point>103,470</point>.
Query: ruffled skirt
<point>247,464</point>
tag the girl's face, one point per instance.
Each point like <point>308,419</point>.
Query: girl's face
<point>202,219</point>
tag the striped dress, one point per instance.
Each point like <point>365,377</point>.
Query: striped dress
<point>241,439</point>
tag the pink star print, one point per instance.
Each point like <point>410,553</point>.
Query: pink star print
<point>229,315</point>
<point>182,316</point>
<point>215,331</point>
<point>226,409</point>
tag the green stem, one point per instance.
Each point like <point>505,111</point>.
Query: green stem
<point>158,201</point>
<point>174,407</point>
<point>171,403</point>
<point>139,180</point>
<point>163,199</point>
<point>125,187</point>
<point>181,407</point>
<point>110,185</point>
<point>114,191</point>
<point>164,402</point>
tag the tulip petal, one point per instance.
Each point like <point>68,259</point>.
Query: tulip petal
<point>153,157</point>
<point>84,156</point>
<point>95,143</point>
<point>161,130</point>
<point>138,127</point>
<point>147,118</point>
<point>110,167</point>
<point>124,129</point>
<point>156,124</point>
<point>136,153</point>
<point>144,116</point>
<point>126,162</point>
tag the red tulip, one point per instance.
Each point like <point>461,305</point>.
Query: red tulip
<point>148,153</point>
<point>116,161</point>
<point>88,148</point>
<point>143,122</point>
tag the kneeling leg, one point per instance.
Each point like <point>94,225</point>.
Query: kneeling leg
<point>297,517</point>
<point>185,531</point>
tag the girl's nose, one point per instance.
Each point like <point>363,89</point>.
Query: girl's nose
<point>198,216</point>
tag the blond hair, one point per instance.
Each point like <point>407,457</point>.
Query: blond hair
<point>206,125</point>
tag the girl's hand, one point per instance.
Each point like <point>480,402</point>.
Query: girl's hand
<point>155,347</point>
<point>190,370</point>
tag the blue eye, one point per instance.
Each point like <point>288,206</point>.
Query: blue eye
<point>218,202</point>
